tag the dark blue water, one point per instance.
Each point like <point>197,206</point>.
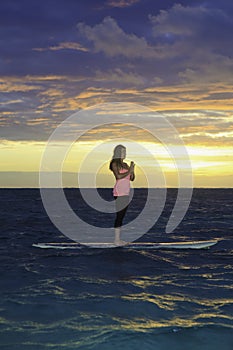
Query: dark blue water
<point>117,298</point>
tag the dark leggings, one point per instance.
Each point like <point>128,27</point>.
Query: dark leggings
<point>122,203</point>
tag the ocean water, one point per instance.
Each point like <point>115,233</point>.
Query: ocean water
<point>116,298</point>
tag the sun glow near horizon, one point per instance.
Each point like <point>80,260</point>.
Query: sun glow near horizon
<point>206,161</point>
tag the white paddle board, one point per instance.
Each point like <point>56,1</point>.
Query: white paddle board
<point>133,245</point>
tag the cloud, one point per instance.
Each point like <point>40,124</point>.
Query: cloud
<point>188,45</point>
<point>9,84</point>
<point>109,38</point>
<point>121,3</point>
<point>193,108</point>
<point>178,20</point>
<point>200,37</point>
<point>206,69</point>
<point>118,75</point>
<point>204,127</point>
<point>193,22</point>
<point>64,46</point>
<point>93,92</point>
<point>9,102</point>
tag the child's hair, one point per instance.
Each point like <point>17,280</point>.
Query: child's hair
<point>117,156</point>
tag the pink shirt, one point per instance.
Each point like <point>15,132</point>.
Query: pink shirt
<point>122,186</point>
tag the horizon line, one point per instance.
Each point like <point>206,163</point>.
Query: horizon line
<point>90,188</point>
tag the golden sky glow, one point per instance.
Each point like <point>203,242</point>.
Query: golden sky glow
<point>209,164</point>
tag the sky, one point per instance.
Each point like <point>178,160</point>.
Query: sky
<point>172,57</point>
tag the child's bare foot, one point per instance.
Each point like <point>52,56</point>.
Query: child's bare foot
<point>120,242</point>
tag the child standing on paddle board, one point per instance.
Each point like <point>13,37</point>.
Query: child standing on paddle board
<point>123,174</point>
